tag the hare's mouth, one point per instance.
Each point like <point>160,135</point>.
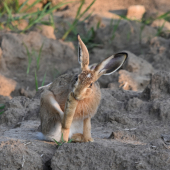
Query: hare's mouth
<point>75,96</point>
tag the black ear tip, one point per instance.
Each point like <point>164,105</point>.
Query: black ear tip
<point>121,53</point>
<point>78,35</point>
<point>126,54</point>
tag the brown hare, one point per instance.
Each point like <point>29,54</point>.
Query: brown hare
<point>69,103</point>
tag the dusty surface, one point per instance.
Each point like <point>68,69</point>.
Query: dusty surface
<point>131,127</point>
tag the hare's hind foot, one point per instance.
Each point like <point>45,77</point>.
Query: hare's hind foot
<point>78,137</point>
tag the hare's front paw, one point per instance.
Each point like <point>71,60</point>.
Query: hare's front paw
<point>65,133</point>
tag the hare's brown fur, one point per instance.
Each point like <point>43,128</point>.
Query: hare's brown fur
<point>69,103</point>
<point>63,85</point>
<point>60,89</point>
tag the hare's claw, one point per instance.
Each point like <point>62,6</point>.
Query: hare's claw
<point>89,140</point>
<point>78,137</point>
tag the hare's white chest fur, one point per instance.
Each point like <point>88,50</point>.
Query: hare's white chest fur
<point>76,127</point>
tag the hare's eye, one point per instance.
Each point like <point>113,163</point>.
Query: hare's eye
<point>90,85</point>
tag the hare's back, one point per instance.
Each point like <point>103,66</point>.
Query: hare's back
<point>61,87</point>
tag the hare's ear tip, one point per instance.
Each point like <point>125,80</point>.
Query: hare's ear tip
<point>122,53</point>
<point>78,35</point>
<point>125,54</point>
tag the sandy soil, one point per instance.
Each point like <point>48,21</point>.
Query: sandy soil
<point>130,129</point>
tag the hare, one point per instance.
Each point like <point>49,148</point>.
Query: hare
<point>69,103</point>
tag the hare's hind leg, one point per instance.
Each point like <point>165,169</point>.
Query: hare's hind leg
<point>87,130</point>
<point>86,136</point>
<point>77,137</point>
<point>51,117</point>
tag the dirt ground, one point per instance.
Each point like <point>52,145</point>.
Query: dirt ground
<point>131,127</point>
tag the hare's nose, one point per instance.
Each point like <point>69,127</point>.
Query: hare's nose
<point>74,95</point>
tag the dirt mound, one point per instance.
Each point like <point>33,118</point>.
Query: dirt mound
<point>21,51</point>
<point>100,155</point>
<point>14,155</point>
<point>7,86</point>
<point>137,74</point>
<point>19,109</point>
<point>160,85</point>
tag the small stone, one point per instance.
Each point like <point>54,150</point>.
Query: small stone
<point>46,30</point>
<point>136,12</point>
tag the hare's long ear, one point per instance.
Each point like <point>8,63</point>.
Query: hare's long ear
<point>83,54</point>
<point>110,64</point>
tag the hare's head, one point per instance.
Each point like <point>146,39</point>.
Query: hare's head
<point>84,81</point>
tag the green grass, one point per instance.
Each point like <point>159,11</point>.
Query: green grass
<point>33,18</point>
<point>79,15</point>
<point>62,141</point>
<point>2,106</point>
<point>148,21</point>
<point>32,54</point>
<point>37,57</point>
<point>29,56</point>
<point>88,38</point>
<point>115,27</point>
<point>42,84</point>
<point>12,4</point>
<point>165,16</point>
<point>12,7</point>
<point>160,29</point>
<point>36,81</point>
<point>28,6</point>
